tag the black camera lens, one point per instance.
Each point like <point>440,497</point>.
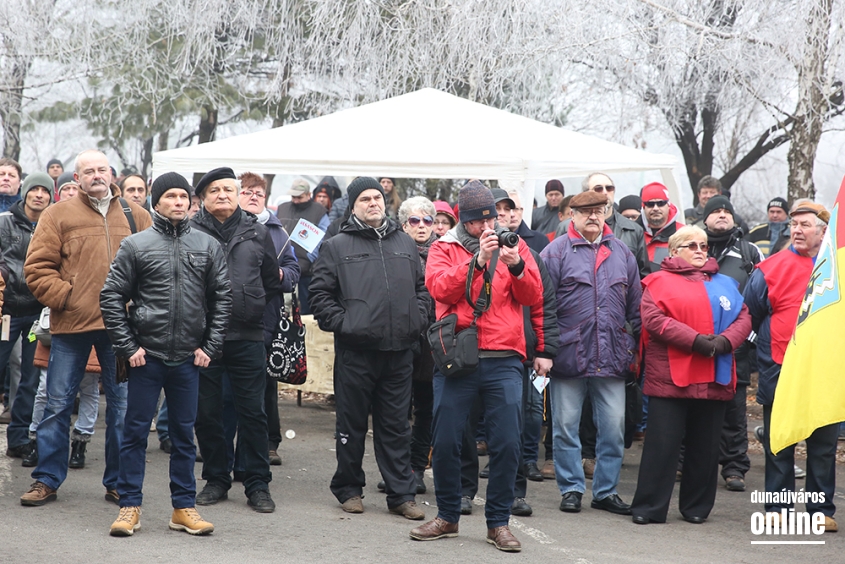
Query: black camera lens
<point>507,238</point>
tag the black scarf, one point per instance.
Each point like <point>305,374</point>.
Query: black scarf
<point>227,228</point>
<point>718,242</point>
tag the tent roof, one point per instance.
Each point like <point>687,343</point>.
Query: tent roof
<point>424,134</point>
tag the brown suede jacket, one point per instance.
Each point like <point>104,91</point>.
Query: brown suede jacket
<point>70,255</point>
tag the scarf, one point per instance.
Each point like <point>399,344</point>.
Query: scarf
<point>227,228</point>
<point>263,216</point>
<point>719,241</point>
<point>466,240</point>
<point>381,230</point>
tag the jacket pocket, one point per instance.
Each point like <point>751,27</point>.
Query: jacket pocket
<point>357,326</point>
<point>571,360</point>
<point>254,300</point>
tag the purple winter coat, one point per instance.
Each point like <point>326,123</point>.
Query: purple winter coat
<point>598,291</point>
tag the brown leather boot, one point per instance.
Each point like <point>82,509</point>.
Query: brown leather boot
<point>435,529</point>
<point>503,539</point>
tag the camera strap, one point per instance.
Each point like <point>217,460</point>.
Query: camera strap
<point>485,296</point>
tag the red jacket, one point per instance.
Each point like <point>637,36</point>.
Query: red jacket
<point>501,327</point>
<point>665,332</point>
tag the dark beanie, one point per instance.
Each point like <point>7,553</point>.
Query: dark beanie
<point>475,201</point>
<point>632,202</point>
<point>359,185</point>
<point>778,203</point>
<point>52,162</point>
<point>164,183</point>
<point>212,175</point>
<point>717,203</point>
<point>553,185</point>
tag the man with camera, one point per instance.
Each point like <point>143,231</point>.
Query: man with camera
<point>473,248</point>
<point>598,299</point>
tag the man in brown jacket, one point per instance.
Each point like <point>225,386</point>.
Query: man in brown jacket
<point>69,257</point>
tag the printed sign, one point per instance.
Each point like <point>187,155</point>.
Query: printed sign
<point>307,235</point>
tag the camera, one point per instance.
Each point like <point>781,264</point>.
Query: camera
<point>507,238</point>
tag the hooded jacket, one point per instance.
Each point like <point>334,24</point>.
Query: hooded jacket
<point>177,280</point>
<point>598,297</point>
<point>15,235</point>
<point>368,288</point>
<point>657,242</point>
<point>69,257</point>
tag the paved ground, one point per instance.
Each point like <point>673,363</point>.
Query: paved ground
<point>309,526</point>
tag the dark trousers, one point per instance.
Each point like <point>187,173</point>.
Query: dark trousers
<point>17,433</point>
<point>181,386</point>
<point>499,382</point>
<point>698,425</point>
<point>379,381</point>
<point>821,467</point>
<point>423,402</point>
<point>243,363</point>
<point>548,437</point>
<point>587,431</point>
<point>230,423</point>
<point>733,448</point>
<point>304,294</point>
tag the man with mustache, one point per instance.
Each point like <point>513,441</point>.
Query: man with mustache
<point>598,297</point>
<point>66,266</point>
<point>660,221</point>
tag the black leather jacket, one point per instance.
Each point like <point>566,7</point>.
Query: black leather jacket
<point>178,282</point>
<point>15,233</point>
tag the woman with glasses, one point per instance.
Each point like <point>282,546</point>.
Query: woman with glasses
<point>445,218</point>
<point>693,318</point>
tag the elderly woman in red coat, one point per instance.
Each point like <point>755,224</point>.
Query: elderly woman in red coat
<point>693,318</point>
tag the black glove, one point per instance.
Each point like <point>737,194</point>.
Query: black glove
<point>703,346</point>
<point>722,344</point>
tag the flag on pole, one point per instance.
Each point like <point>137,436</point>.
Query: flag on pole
<point>811,389</point>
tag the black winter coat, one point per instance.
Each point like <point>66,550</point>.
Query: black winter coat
<point>370,292</point>
<point>177,280</point>
<point>15,233</point>
<point>253,272</point>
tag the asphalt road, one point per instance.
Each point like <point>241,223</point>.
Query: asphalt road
<point>309,526</point>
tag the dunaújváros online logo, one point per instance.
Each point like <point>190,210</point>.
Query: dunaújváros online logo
<point>787,526</point>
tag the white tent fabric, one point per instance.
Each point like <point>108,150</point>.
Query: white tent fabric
<point>424,134</point>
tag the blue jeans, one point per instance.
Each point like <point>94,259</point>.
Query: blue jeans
<point>89,404</point>
<point>499,382</point>
<point>608,401</point>
<point>68,358</point>
<point>17,433</point>
<point>181,387</point>
<point>163,422</point>
<point>532,407</point>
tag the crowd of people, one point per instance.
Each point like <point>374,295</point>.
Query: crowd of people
<point>606,322</point>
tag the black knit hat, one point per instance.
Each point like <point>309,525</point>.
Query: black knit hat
<point>52,162</point>
<point>717,203</point>
<point>554,185</point>
<point>475,201</point>
<point>212,175</point>
<point>631,202</point>
<point>359,185</point>
<point>164,183</point>
<point>778,203</point>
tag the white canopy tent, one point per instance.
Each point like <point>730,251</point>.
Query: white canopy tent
<point>424,134</point>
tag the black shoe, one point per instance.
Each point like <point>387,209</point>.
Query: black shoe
<point>735,483</point>
<point>419,481</point>
<point>520,507</point>
<point>613,504</point>
<point>261,501</point>
<point>211,494</point>
<point>31,460</point>
<point>760,433</point>
<point>571,502</point>
<point>694,520</point>
<point>485,472</point>
<point>77,454</point>
<point>166,445</point>
<point>532,472</point>
<point>466,505</point>
<point>20,451</point>
<point>381,486</point>
<point>640,520</point>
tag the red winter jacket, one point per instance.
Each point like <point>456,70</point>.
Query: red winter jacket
<point>665,332</point>
<point>501,327</point>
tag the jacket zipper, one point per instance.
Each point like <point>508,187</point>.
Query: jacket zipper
<point>387,285</point>
<point>176,302</point>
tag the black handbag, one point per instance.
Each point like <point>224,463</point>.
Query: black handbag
<point>286,361</point>
<point>456,352</point>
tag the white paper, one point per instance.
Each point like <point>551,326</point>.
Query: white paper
<point>540,382</point>
<point>307,235</point>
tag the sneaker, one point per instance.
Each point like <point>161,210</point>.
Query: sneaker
<point>735,483</point>
<point>353,505</point>
<point>166,445</point>
<point>800,474</point>
<point>275,459</point>
<point>435,529</point>
<point>409,510</point>
<point>589,465</point>
<point>466,505</point>
<point>112,496</point>
<point>128,521</point>
<point>211,494</point>
<point>548,470</point>
<point>39,493</point>
<point>830,525</point>
<point>261,502</point>
<point>520,507</point>
<point>189,520</point>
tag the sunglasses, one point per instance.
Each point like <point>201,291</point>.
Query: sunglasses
<point>415,220</point>
<point>695,247</point>
<point>600,188</point>
<point>658,203</point>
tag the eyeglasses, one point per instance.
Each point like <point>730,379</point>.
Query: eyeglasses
<point>695,247</point>
<point>415,220</point>
<point>600,188</point>
<point>442,222</point>
<point>251,193</point>
<point>658,203</point>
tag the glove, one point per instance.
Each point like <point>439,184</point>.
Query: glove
<point>722,344</point>
<point>703,346</point>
